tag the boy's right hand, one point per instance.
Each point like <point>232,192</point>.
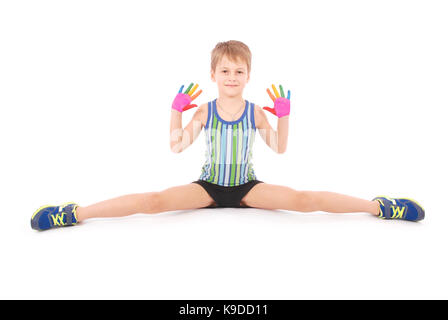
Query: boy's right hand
<point>182,101</point>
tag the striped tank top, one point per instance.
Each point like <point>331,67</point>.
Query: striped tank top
<point>228,151</point>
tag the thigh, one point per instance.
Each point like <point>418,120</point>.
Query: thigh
<point>184,197</point>
<point>271,196</point>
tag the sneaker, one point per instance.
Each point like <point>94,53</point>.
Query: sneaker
<point>47,217</point>
<point>400,208</point>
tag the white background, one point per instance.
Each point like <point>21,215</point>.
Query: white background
<point>85,95</point>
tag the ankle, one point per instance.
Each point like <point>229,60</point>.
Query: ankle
<point>375,208</point>
<point>79,214</point>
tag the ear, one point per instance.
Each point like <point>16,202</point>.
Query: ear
<point>212,76</point>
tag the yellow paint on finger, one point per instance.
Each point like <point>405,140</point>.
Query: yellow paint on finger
<point>277,95</point>
<point>275,92</point>
<point>193,90</point>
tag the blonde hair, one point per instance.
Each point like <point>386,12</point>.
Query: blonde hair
<point>233,50</point>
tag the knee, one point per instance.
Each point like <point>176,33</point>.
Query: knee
<point>152,202</point>
<point>306,201</point>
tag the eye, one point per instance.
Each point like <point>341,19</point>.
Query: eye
<point>240,72</point>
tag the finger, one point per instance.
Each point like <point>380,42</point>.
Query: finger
<point>196,95</point>
<point>193,89</point>
<point>275,92</point>
<point>181,88</point>
<point>289,95</point>
<point>281,91</point>
<point>189,107</point>
<point>270,95</point>
<point>189,87</point>
<point>271,110</point>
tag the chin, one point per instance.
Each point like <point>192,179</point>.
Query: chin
<point>231,92</point>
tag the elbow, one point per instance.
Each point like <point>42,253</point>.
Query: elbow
<point>278,149</point>
<point>281,150</point>
<point>176,148</point>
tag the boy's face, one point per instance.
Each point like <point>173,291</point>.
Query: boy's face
<point>231,77</point>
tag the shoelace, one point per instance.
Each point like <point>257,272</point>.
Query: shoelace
<point>397,212</point>
<point>58,219</point>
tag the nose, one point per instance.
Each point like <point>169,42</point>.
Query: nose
<point>232,76</point>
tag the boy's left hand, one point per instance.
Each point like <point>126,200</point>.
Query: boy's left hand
<point>281,104</point>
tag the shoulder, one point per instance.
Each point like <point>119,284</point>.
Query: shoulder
<point>201,113</point>
<point>202,108</point>
<point>257,109</point>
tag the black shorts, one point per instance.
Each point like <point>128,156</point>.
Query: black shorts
<point>227,197</point>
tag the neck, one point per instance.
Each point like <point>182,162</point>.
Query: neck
<point>230,103</point>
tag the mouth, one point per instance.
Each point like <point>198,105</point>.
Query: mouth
<point>232,86</point>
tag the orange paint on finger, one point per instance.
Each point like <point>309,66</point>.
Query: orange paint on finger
<point>196,95</point>
<point>270,94</point>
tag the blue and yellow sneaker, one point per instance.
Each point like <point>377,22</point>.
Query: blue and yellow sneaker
<point>400,208</point>
<point>47,217</point>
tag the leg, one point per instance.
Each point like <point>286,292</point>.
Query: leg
<point>269,196</point>
<point>189,196</point>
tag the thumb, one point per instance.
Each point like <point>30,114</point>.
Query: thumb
<point>271,110</point>
<point>189,107</point>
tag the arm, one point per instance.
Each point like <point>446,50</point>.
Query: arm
<point>283,132</point>
<point>276,140</point>
<point>281,110</point>
<point>180,138</point>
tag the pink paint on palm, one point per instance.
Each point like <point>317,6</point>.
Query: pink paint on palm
<point>282,107</point>
<point>182,100</point>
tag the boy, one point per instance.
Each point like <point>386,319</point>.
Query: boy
<point>228,178</point>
